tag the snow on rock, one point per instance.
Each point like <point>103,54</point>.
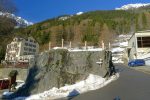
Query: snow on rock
<point>69,16</point>
<point>79,13</point>
<point>20,21</point>
<point>64,18</point>
<point>133,6</point>
<point>91,83</point>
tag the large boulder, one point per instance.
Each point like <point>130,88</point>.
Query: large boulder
<point>59,67</point>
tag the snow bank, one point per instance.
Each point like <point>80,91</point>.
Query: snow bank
<point>124,44</point>
<point>79,49</point>
<point>91,83</point>
<point>117,49</point>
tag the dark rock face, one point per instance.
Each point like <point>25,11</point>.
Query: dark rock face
<point>59,67</point>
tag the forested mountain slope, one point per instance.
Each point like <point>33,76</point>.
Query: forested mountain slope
<point>92,27</point>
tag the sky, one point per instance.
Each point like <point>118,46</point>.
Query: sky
<point>40,10</point>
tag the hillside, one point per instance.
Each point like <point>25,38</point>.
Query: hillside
<point>6,27</point>
<point>90,26</point>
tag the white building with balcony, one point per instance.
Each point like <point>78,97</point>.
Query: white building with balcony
<point>21,49</point>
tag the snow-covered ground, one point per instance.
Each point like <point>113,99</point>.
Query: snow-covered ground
<point>89,48</point>
<point>118,47</point>
<point>92,82</point>
<point>146,57</point>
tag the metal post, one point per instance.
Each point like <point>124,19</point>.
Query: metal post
<point>109,46</point>
<point>103,47</point>
<point>62,45</point>
<point>85,44</point>
<point>49,45</point>
<point>70,45</point>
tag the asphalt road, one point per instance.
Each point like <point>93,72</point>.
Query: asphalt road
<point>131,85</point>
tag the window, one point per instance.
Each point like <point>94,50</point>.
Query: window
<point>34,46</point>
<point>30,50</point>
<point>143,42</point>
<point>30,45</point>
<point>25,48</point>
<point>31,40</point>
<point>25,53</point>
<point>34,50</point>
<point>26,44</point>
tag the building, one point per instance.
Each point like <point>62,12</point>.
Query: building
<point>21,49</point>
<point>139,44</point>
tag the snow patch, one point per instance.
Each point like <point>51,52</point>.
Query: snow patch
<point>88,48</point>
<point>133,6</point>
<point>79,13</point>
<point>117,49</point>
<point>91,83</point>
<point>64,18</point>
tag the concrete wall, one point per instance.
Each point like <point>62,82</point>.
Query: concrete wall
<point>133,46</point>
<point>22,73</point>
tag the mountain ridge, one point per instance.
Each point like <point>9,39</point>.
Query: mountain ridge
<point>20,21</point>
<point>92,27</point>
<point>133,6</point>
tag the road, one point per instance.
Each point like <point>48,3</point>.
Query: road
<point>131,85</point>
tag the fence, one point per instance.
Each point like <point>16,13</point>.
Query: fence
<point>79,45</point>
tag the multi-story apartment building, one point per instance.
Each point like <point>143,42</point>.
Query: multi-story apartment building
<point>21,49</point>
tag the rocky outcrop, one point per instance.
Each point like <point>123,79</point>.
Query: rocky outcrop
<point>59,67</point>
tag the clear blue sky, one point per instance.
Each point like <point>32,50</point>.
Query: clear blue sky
<point>40,10</point>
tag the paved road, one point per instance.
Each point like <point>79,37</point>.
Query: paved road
<point>131,85</point>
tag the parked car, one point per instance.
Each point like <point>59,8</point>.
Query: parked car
<point>136,62</point>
